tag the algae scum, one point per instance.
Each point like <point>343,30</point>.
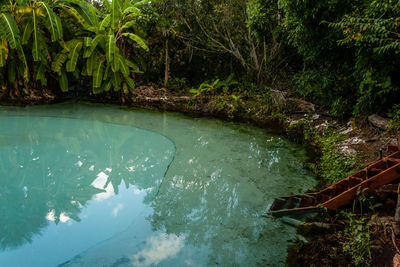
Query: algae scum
<point>88,185</point>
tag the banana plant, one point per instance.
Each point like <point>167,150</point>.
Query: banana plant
<point>36,26</point>
<point>105,53</point>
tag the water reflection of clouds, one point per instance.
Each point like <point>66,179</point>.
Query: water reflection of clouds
<point>100,182</point>
<point>158,248</point>
<point>51,216</point>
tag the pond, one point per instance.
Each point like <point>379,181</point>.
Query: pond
<point>96,185</point>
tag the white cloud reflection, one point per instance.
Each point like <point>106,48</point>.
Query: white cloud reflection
<point>158,248</point>
<point>117,209</point>
<point>100,182</point>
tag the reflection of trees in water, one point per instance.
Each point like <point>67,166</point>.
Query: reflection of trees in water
<point>219,206</point>
<point>44,170</point>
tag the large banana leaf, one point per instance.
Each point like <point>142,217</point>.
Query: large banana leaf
<point>73,57</point>
<point>98,74</point>
<point>116,80</point>
<point>115,64</point>
<point>35,47</point>
<point>93,45</point>
<point>130,82</point>
<point>141,42</point>
<point>22,58</point>
<point>40,74</point>
<point>128,25</point>
<point>110,46</point>
<point>124,68</point>
<point>51,21</point>
<point>9,30</point>
<point>115,13</point>
<point>133,10</point>
<point>104,23</point>
<point>27,32</point>
<point>59,61</point>
<point>90,64</point>
<point>59,27</point>
<point>63,81</point>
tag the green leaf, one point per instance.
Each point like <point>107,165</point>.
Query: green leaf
<point>116,80</point>
<point>59,61</point>
<point>73,57</point>
<point>130,82</point>
<point>88,41</point>
<point>90,65</point>
<point>94,44</point>
<point>35,48</point>
<point>52,24</point>
<point>128,25</point>
<point>141,42</point>
<point>74,13</point>
<point>22,58</point>
<point>124,68</point>
<point>131,65</point>
<point>98,74</point>
<point>115,12</point>
<point>115,64</point>
<point>110,45</point>
<point>133,10</point>
<point>105,23</point>
<point>9,30</point>
<point>106,72</point>
<point>40,74</point>
<point>28,29</point>
<point>106,86</point>
<point>58,26</point>
<point>63,81</point>
<point>140,3</point>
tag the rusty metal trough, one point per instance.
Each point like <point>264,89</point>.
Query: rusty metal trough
<point>380,173</point>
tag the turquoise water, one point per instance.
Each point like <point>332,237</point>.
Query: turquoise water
<point>94,185</point>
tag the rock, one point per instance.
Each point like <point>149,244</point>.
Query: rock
<point>315,117</point>
<point>347,150</point>
<point>353,141</point>
<point>278,97</point>
<point>346,131</point>
<point>378,121</point>
<point>292,123</point>
<point>302,106</point>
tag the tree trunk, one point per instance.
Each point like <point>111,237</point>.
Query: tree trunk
<point>166,71</point>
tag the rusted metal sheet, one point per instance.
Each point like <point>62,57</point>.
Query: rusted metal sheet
<point>343,192</point>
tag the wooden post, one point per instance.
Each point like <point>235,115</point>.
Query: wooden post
<point>166,71</point>
<point>397,214</point>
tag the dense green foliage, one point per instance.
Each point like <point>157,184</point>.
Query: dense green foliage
<point>340,54</point>
<point>65,40</point>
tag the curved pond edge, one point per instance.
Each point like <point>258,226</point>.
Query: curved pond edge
<point>143,129</point>
<point>281,123</point>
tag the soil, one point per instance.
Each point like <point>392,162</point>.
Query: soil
<point>320,248</point>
